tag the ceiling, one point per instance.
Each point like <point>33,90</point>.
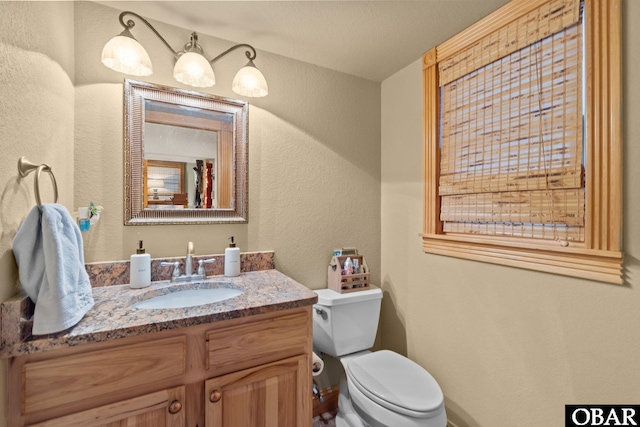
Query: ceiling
<point>369,39</point>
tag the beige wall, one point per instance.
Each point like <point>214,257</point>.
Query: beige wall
<point>314,145</point>
<point>508,346</point>
<point>36,116</point>
<point>314,156</point>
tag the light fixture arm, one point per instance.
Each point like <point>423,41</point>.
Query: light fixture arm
<point>130,24</point>
<point>250,55</point>
<point>124,54</point>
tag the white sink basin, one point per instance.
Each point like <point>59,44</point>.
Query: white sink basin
<point>189,298</point>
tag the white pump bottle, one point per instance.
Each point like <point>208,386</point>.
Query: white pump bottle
<point>140,268</point>
<point>232,260</point>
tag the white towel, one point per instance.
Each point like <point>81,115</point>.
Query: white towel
<point>48,250</point>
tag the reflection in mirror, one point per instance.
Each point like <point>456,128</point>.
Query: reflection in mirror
<point>186,154</point>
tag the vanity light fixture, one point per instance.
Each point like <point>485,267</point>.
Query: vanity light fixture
<point>125,54</point>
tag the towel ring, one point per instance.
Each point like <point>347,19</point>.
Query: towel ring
<point>25,167</point>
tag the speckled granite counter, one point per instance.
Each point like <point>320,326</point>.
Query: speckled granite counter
<point>113,315</point>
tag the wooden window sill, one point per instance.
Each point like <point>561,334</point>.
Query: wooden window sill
<point>604,266</point>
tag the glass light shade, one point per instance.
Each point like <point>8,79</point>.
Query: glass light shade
<point>193,69</point>
<point>249,81</point>
<point>126,55</point>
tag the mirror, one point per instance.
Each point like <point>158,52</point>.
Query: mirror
<point>185,156</point>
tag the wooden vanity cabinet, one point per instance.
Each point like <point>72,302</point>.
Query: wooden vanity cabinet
<point>250,371</point>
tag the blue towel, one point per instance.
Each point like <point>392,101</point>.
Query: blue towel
<point>48,250</point>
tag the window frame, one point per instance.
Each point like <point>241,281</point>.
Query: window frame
<point>599,257</point>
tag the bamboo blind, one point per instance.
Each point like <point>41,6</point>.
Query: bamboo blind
<point>511,130</point>
<point>536,25</point>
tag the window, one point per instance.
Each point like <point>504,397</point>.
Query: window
<point>163,181</point>
<point>522,151</point>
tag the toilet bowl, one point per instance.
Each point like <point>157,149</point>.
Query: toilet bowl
<point>378,389</point>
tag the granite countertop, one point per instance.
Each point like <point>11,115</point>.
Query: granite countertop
<point>114,316</point>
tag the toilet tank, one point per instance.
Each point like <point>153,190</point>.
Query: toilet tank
<point>345,323</point>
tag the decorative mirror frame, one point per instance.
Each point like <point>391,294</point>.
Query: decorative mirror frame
<point>135,95</point>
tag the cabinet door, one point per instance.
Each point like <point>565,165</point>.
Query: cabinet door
<point>272,395</point>
<point>160,409</point>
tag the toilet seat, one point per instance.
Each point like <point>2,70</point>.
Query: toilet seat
<point>396,383</point>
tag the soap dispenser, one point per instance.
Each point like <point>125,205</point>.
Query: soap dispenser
<point>140,268</point>
<point>232,260</point>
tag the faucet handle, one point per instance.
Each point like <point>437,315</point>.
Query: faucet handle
<point>176,267</point>
<point>201,263</point>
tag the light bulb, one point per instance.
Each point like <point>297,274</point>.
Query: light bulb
<point>249,81</point>
<point>124,54</point>
<point>193,69</point>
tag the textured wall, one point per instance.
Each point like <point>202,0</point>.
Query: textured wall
<point>508,346</point>
<point>36,111</point>
<point>314,156</point>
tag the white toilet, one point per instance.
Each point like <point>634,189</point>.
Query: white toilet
<point>382,388</point>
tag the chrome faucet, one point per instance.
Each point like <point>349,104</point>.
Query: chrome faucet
<point>188,267</point>
<point>188,262</point>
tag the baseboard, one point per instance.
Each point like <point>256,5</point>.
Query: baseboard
<point>329,403</point>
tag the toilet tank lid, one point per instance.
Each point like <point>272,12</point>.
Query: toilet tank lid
<point>328,297</point>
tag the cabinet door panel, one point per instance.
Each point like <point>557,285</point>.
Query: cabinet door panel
<point>161,409</point>
<point>272,395</point>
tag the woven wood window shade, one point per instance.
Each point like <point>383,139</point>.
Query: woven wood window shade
<point>511,138</point>
<point>522,141</point>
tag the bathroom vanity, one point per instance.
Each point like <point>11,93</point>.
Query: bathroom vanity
<point>243,361</point>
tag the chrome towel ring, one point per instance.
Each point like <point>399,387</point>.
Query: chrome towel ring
<point>25,167</point>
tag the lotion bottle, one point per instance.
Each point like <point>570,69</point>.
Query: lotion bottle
<point>348,267</point>
<point>232,260</point>
<point>140,268</point>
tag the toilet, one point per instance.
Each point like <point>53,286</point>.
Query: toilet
<point>381,388</point>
